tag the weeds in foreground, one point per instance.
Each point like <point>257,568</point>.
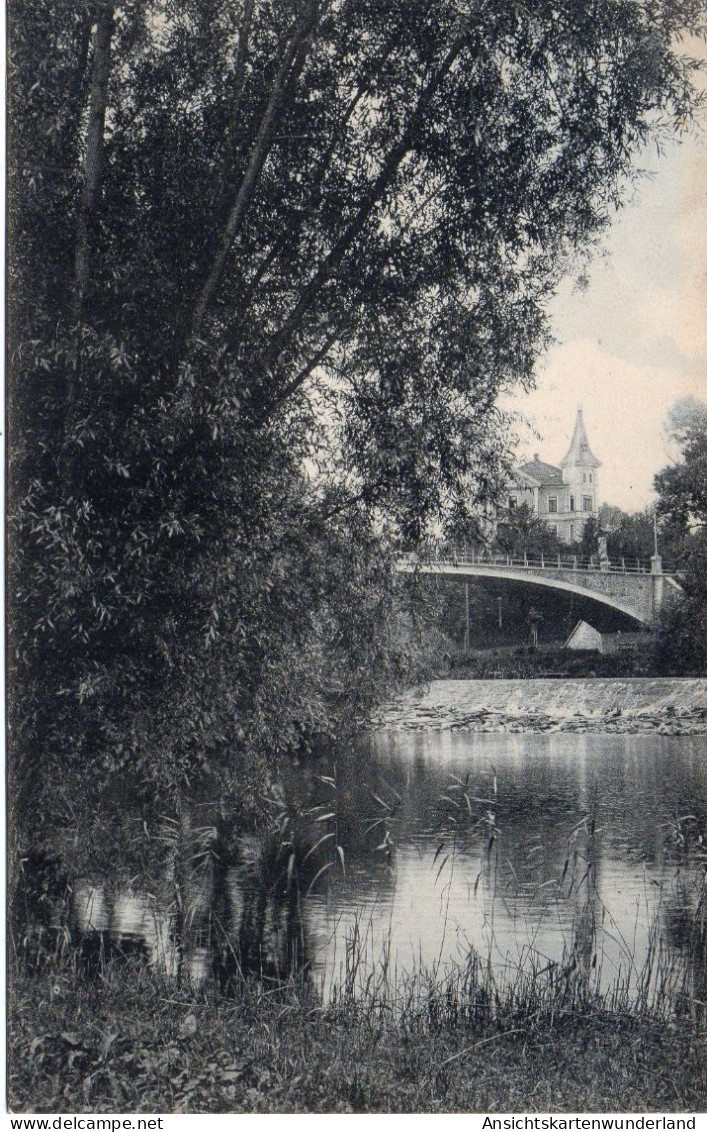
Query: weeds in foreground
<point>462,1041</point>
<point>471,1035</point>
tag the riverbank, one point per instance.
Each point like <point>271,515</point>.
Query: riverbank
<point>126,1043</point>
<point>552,1032</point>
<point>511,662</point>
<point>666,706</point>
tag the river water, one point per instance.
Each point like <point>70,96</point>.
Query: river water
<point>523,847</point>
<point>442,838</point>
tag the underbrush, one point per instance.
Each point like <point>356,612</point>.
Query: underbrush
<point>525,663</point>
<point>116,1028</point>
<point>539,1040</point>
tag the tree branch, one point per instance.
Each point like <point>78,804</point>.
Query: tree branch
<point>296,382</point>
<point>287,235</point>
<point>294,55</point>
<point>239,74</point>
<point>363,214</point>
<point>238,84</point>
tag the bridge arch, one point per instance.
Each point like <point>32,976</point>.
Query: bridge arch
<point>636,596</point>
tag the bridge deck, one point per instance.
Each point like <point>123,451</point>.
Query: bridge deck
<point>634,589</point>
<point>570,563</point>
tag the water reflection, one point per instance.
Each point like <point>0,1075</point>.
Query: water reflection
<point>417,848</point>
<point>213,920</point>
<point>556,844</point>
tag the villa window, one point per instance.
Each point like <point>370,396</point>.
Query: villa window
<point>584,477</point>
<point>590,478</point>
<point>552,504</point>
<point>512,502</point>
<point>587,503</point>
<point>552,527</point>
<point>571,532</point>
<point>571,503</point>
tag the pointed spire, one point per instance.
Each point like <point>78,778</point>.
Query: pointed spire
<point>579,450</point>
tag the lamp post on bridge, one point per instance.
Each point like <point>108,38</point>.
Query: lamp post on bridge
<point>657,581</point>
<point>656,559</point>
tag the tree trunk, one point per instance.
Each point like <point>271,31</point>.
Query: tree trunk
<point>93,160</point>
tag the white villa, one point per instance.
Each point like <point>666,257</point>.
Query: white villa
<point>563,497</point>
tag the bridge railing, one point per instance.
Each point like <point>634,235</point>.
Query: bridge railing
<point>465,556</point>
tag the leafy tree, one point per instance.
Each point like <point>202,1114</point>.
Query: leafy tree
<point>589,542</point>
<point>272,261</point>
<point>681,645</point>
<point>682,488</point>
<point>609,516</point>
<point>631,537</point>
<point>522,533</point>
<point>682,500</point>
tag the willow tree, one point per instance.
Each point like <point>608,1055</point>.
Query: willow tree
<point>272,262</point>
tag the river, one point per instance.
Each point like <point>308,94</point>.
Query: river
<point>523,848</point>
<point>525,822</point>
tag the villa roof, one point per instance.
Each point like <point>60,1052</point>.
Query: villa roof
<point>546,475</point>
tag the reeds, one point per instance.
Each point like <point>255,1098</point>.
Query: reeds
<point>660,972</point>
<point>531,990</point>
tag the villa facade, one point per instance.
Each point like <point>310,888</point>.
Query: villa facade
<point>564,497</point>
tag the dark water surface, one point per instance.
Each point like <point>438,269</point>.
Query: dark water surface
<point>513,844</point>
<point>527,848</point>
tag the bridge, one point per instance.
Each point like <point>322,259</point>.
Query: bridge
<point>637,589</point>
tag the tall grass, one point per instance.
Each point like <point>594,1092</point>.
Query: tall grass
<point>659,972</point>
<point>263,935</point>
<point>375,1035</point>
<point>478,989</point>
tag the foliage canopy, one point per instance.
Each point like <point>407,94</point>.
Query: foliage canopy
<point>682,500</point>
<point>272,263</point>
<point>682,487</point>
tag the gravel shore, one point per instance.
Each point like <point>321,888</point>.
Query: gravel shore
<point>666,706</point>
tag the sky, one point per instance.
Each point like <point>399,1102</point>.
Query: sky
<point>636,339</point>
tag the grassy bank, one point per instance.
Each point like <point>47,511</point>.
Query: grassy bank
<point>524,662</point>
<point>127,1042</point>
